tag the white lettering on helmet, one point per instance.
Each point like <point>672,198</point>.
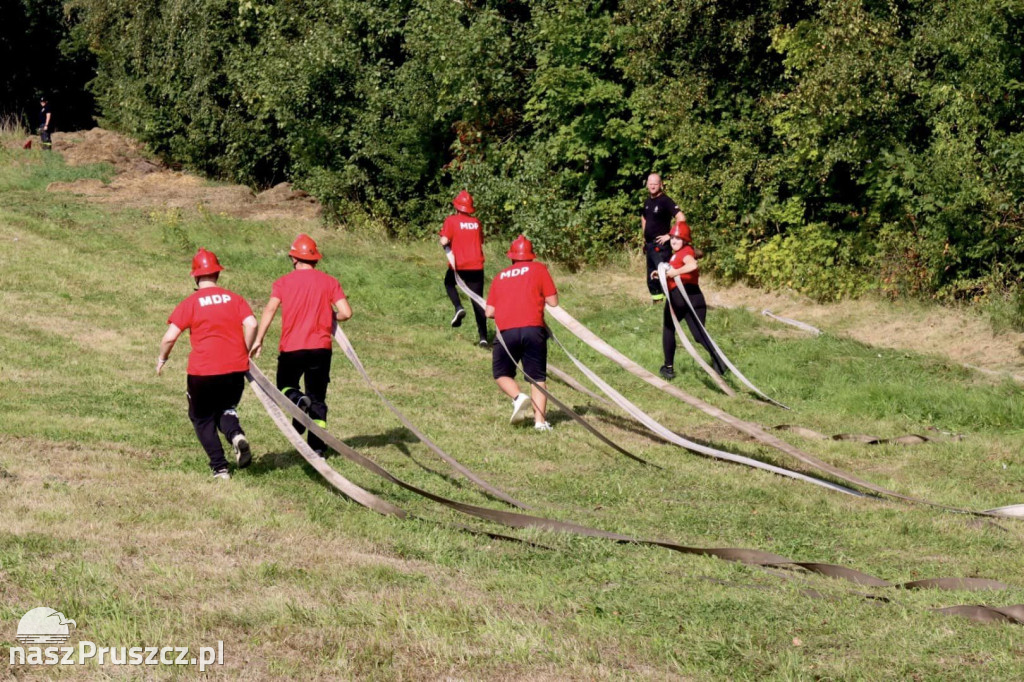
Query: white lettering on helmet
<point>515,272</point>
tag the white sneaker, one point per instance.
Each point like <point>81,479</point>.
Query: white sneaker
<point>521,408</point>
<point>222,474</point>
<point>542,426</point>
<point>243,453</point>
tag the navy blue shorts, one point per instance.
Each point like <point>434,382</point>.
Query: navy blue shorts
<point>528,345</point>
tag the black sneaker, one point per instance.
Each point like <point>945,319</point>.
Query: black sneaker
<point>321,453</point>
<point>243,453</point>
<point>667,372</point>
<point>303,404</point>
<point>483,343</point>
<point>459,314</point>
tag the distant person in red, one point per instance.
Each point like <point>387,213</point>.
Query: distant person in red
<point>221,330</point>
<point>463,232</point>
<point>683,264</point>
<point>310,302</point>
<point>516,302</point>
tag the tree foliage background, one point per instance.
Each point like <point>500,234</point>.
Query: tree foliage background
<point>39,57</point>
<point>832,146</point>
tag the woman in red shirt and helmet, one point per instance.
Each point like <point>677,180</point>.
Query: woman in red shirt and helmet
<point>683,264</point>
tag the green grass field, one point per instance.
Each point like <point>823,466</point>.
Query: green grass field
<point>111,515</point>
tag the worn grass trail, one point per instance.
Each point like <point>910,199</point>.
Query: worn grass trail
<point>111,516</point>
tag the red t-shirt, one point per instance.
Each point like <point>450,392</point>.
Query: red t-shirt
<point>676,261</point>
<point>214,317</point>
<point>467,240</point>
<point>517,294</point>
<point>306,313</point>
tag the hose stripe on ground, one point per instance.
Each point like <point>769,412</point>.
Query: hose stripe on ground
<point>519,520</point>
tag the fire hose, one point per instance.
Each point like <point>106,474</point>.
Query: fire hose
<point>274,402</point>
<point>753,430</point>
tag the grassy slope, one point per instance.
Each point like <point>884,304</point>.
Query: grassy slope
<point>111,516</point>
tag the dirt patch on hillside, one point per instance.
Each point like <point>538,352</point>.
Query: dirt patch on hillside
<point>145,182</point>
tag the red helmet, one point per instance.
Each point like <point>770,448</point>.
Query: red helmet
<point>304,248</point>
<point>681,230</point>
<point>205,263</point>
<point>521,249</point>
<point>463,202</point>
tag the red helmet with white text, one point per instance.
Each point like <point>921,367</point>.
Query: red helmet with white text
<point>205,263</point>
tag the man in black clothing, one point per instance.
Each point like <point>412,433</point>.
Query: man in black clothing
<point>660,214</point>
<point>45,123</point>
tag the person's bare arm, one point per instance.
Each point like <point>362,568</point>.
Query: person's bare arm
<point>551,300</point>
<point>689,265</point>
<point>343,310</point>
<point>166,344</point>
<point>268,316</point>
<point>489,311</point>
<point>249,330</point>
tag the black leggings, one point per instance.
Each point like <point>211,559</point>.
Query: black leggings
<point>474,279</point>
<point>668,332</point>
<point>314,365</point>
<point>211,405</point>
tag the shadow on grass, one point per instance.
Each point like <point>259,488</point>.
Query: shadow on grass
<point>398,437</point>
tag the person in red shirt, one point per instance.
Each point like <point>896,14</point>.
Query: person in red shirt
<point>463,232</point>
<point>516,302</point>
<point>221,330</point>
<point>310,302</point>
<point>683,264</point>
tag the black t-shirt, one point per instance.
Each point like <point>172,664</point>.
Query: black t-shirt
<point>42,115</point>
<point>658,214</point>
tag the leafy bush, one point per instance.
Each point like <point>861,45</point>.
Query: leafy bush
<point>832,147</point>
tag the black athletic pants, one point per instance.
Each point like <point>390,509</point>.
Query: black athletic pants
<point>211,405</point>
<point>668,332</point>
<point>656,255</point>
<point>315,365</point>
<point>44,137</point>
<point>474,279</point>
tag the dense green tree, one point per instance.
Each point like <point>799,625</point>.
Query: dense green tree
<point>827,145</point>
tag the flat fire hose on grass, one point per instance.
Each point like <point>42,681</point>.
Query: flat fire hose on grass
<point>269,395</point>
<point>350,353</point>
<point>261,387</point>
<point>753,430</point>
<point>662,272</point>
<point>561,405</point>
<point>670,436</point>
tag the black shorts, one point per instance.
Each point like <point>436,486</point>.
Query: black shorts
<point>528,345</point>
